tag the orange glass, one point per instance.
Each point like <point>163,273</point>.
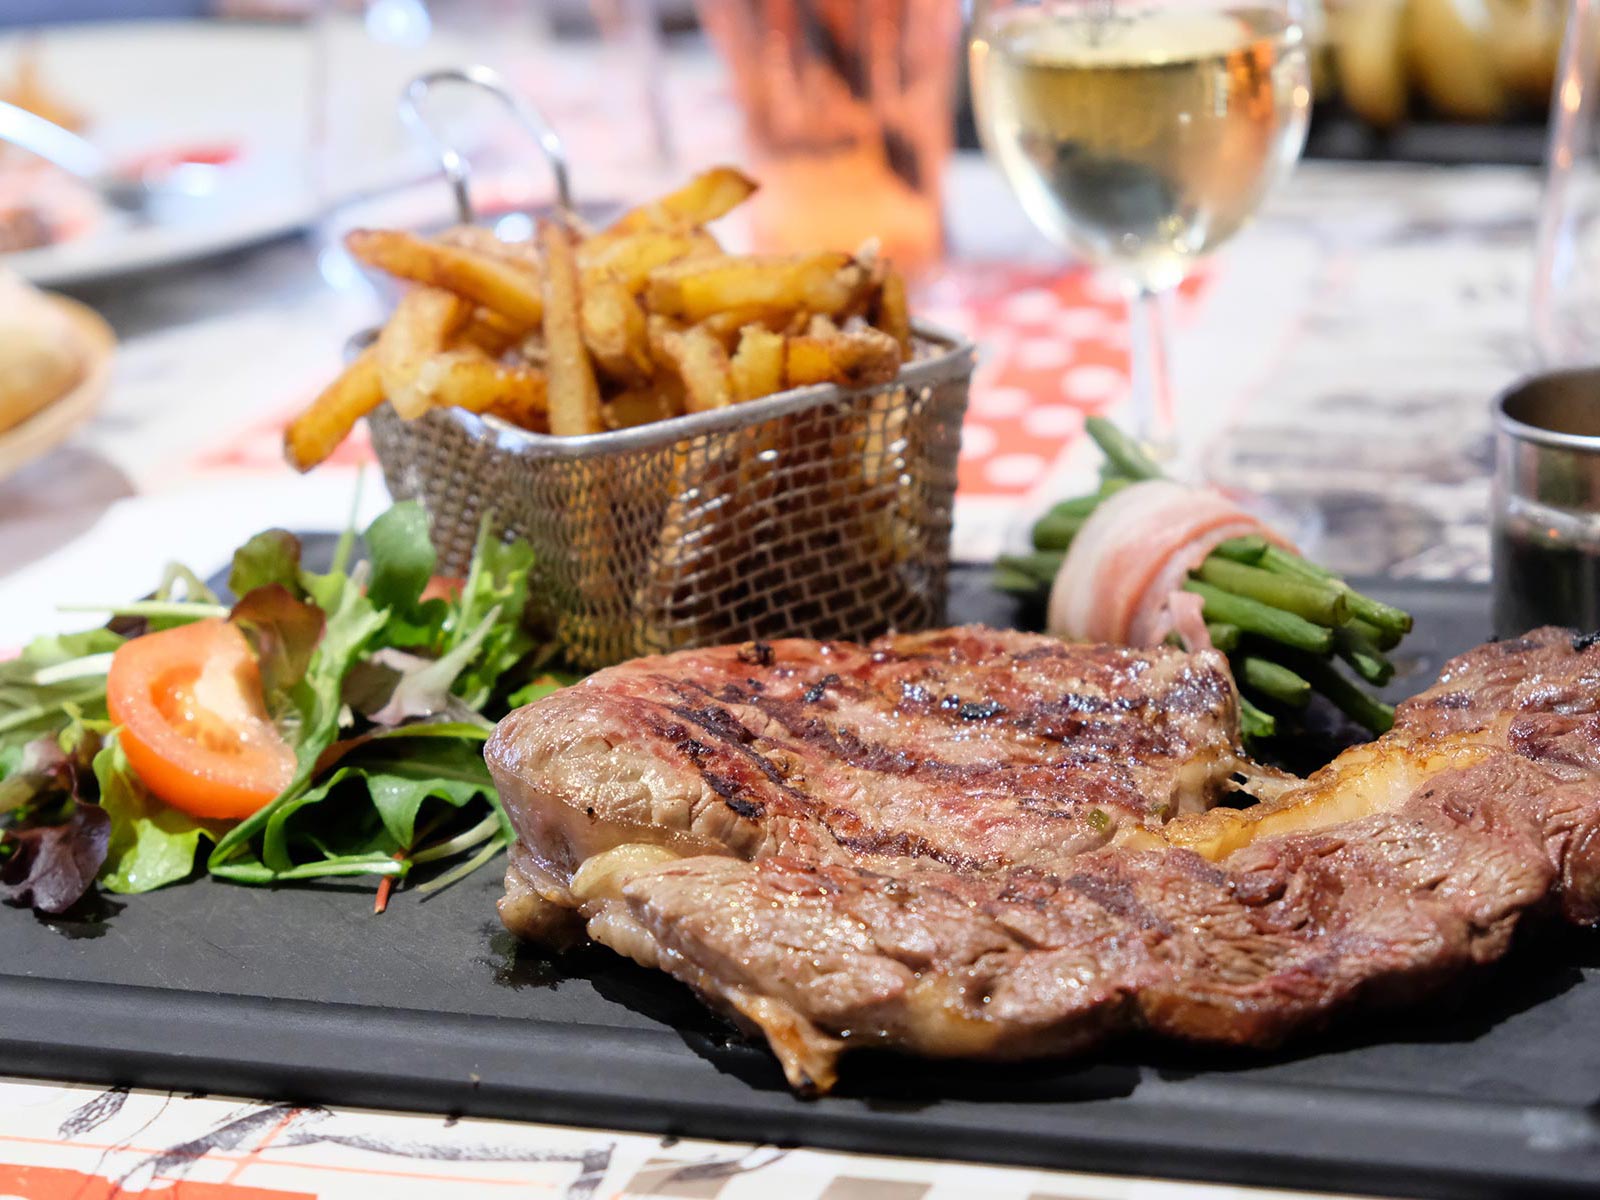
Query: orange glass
<point>849,118</point>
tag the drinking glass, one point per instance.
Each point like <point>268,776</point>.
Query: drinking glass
<point>849,118</point>
<point>1566,282</point>
<point>1141,136</point>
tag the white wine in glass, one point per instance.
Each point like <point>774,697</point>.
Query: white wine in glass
<point>1140,136</point>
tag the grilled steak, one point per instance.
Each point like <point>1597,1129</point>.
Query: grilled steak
<point>986,844</point>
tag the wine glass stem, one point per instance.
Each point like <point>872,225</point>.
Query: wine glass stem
<point>1154,419</point>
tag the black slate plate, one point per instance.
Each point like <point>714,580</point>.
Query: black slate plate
<point>301,993</point>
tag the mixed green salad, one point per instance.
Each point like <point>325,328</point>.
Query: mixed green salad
<point>322,724</point>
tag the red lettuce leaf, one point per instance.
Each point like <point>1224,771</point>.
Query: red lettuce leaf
<point>51,866</point>
<point>283,630</point>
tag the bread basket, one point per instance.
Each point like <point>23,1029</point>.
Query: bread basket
<point>819,512</point>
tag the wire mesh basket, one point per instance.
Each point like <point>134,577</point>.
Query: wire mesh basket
<point>817,513</point>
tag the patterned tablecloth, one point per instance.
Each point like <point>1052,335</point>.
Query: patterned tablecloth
<point>1340,356</point>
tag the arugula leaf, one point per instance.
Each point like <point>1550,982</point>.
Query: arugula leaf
<point>352,621</point>
<point>272,556</point>
<point>399,776</point>
<point>151,844</point>
<point>497,585</point>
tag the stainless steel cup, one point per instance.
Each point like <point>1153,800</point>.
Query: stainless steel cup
<point>1546,535</point>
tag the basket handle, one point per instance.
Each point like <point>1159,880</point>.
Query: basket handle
<point>456,169</point>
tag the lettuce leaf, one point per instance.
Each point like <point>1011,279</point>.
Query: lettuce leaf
<point>270,557</point>
<point>351,623</point>
<point>402,558</point>
<point>491,606</point>
<point>151,844</point>
<point>29,709</point>
<point>385,697</point>
<point>365,817</point>
<point>49,867</point>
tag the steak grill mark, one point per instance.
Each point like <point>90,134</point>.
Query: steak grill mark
<point>996,877</point>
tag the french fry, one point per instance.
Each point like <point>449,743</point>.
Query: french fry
<point>890,312</point>
<point>614,329</point>
<point>576,332</point>
<point>630,257</point>
<point>511,289</point>
<point>574,393</point>
<point>469,379</point>
<point>699,360</point>
<point>476,237</point>
<point>707,196</point>
<point>317,432</point>
<point>699,288</point>
<point>855,358</point>
<point>642,407</point>
<point>728,327</point>
<point>423,324</point>
<point>756,368</point>
<point>489,332</point>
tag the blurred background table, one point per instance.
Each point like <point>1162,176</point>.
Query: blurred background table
<point>1367,298</point>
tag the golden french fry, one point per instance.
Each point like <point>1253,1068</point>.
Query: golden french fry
<point>577,332</point>
<point>703,199</point>
<point>699,288</point>
<point>489,332</point>
<point>728,327</point>
<point>756,368</point>
<point>317,432</point>
<point>511,289</point>
<point>469,379</point>
<point>856,358</point>
<point>574,394</point>
<point>614,329</point>
<point>699,360</point>
<point>476,237</point>
<point>627,409</point>
<point>630,257</point>
<point>423,324</point>
<point>890,313</point>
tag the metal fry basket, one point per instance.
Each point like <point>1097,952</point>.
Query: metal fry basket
<point>818,512</point>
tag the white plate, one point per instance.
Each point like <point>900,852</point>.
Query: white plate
<point>150,87</point>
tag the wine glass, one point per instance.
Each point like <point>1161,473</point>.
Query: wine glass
<point>1141,136</point>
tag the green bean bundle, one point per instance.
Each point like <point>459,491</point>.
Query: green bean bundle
<point>1286,624</point>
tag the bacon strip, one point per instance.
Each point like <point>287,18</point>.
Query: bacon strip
<point>1127,565</point>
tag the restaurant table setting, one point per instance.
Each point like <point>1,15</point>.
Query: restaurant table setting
<point>1332,372</point>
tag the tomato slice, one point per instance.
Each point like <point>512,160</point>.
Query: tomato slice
<point>194,722</point>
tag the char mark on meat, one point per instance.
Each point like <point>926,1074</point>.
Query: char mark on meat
<point>972,843</point>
